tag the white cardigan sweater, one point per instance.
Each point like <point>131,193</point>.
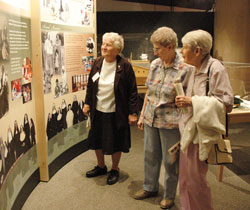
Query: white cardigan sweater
<point>205,126</point>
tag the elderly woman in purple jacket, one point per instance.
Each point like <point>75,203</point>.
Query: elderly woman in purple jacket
<point>209,79</point>
<point>112,102</point>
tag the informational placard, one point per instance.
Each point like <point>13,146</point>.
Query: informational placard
<point>67,31</point>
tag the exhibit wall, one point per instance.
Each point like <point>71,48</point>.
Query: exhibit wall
<point>47,49</point>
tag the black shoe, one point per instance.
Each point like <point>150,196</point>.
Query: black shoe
<point>97,171</point>
<point>113,177</point>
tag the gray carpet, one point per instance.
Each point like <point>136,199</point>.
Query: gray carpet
<point>68,189</point>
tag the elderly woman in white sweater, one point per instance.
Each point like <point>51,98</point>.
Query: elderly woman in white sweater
<point>194,189</point>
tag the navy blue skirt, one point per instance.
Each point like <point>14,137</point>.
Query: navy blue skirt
<point>105,135</point>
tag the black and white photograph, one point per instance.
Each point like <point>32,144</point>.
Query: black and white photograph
<point>46,83</point>
<point>52,56</point>
<point>20,138</point>
<point>90,45</point>
<point>78,13</point>
<point>65,116</point>
<point>57,10</point>
<point>4,91</point>
<point>4,43</point>
<point>53,52</point>
<point>61,87</point>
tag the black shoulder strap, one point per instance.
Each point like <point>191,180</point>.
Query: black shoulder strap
<point>207,90</point>
<point>207,85</point>
<point>227,125</point>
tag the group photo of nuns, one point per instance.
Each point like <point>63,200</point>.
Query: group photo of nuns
<point>64,117</point>
<point>19,140</point>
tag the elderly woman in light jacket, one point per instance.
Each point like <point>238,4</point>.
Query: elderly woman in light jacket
<point>194,189</point>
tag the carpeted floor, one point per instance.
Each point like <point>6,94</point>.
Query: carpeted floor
<point>69,189</point>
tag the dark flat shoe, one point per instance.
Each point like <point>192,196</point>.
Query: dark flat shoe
<point>113,177</point>
<point>97,171</point>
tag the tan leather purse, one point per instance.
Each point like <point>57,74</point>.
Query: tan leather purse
<point>220,153</point>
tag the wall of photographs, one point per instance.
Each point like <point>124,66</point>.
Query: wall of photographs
<point>67,48</point>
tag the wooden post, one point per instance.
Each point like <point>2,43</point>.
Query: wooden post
<point>220,172</point>
<point>38,90</point>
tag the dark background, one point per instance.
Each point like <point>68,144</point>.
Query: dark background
<point>137,27</point>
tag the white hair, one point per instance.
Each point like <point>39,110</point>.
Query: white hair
<point>198,38</point>
<point>117,40</point>
<point>164,36</point>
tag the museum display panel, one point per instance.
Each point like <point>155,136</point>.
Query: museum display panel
<point>47,49</point>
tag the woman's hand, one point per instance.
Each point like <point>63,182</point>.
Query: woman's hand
<point>86,109</point>
<point>183,101</point>
<point>132,119</point>
<point>140,124</point>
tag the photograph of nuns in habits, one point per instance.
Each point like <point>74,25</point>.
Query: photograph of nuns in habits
<point>75,110</point>
<point>4,92</point>
<point>17,142</point>
<point>64,113</point>
<point>26,129</point>
<point>59,120</point>
<point>52,123</point>
<point>17,139</point>
<point>64,117</point>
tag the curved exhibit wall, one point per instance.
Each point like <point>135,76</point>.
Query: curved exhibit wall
<point>17,115</point>
<point>46,54</point>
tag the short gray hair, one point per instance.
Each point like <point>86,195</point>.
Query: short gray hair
<point>164,36</point>
<point>198,38</point>
<point>117,40</point>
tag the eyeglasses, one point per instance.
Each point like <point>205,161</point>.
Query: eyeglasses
<point>156,49</point>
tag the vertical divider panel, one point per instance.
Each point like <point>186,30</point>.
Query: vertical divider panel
<point>38,89</point>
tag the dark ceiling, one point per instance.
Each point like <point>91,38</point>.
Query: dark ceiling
<point>194,4</point>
